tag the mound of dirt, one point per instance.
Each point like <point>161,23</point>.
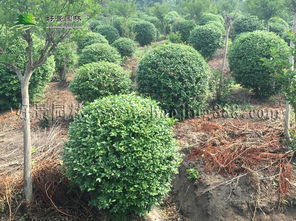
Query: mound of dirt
<point>245,171</point>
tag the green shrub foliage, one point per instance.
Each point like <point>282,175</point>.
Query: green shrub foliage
<point>90,38</point>
<point>247,24</point>
<point>94,23</point>
<point>183,27</point>
<point>10,89</point>
<point>100,79</point>
<point>99,52</point>
<point>110,33</point>
<point>175,37</point>
<point>121,149</point>
<point>278,26</point>
<point>206,39</point>
<point>125,46</point>
<point>175,75</point>
<point>247,65</point>
<point>155,21</point>
<point>209,17</point>
<point>145,32</point>
<point>66,59</point>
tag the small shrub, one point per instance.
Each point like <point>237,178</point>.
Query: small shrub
<point>278,26</point>
<point>145,32</point>
<point>246,24</point>
<point>206,39</point>
<point>90,38</point>
<point>110,33</point>
<point>171,17</point>
<point>94,23</point>
<point>184,28</point>
<point>209,17</point>
<point>122,154</point>
<point>100,79</point>
<point>155,21</point>
<point>99,52</point>
<point>219,25</point>
<point>175,75</point>
<point>65,59</point>
<point>125,46</point>
<point>247,65</point>
<point>175,37</point>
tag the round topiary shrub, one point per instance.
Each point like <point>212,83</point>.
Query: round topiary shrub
<point>122,150</point>
<point>246,61</point>
<point>218,25</point>
<point>10,89</point>
<point>110,33</point>
<point>206,39</point>
<point>247,24</point>
<point>209,17</point>
<point>100,79</point>
<point>145,32</point>
<point>90,38</point>
<point>171,17</point>
<point>278,26</point>
<point>125,46</point>
<point>66,59</point>
<point>183,27</point>
<point>99,52</point>
<point>175,75</point>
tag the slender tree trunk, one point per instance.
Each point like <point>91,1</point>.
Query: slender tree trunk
<point>27,139</point>
<point>288,106</point>
<point>221,83</point>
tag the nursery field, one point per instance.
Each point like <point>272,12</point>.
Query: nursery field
<point>148,110</point>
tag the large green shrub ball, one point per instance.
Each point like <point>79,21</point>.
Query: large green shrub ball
<point>145,32</point>
<point>183,27</point>
<point>125,46</point>
<point>10,90</point>
<point>110,33</point>
<point>121,149</point>
<point>155,21</point>
<point>99,52</point>
<point>171,17</point>
<point>209,17</point>
<point>175,75</point>
<point>206,39</point>
<point>247,66</point>
<point>246,24</point>
<point>100,79</point>
<point>90,38</point>
<point>94,23</point>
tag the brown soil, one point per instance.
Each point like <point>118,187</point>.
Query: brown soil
<point>233,186</point>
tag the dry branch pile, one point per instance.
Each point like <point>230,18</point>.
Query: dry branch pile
<point>233,147</point>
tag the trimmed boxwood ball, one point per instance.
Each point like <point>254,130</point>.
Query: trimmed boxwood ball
<point>175,75</point>
<point>10,89</point>
<point>247,66</point>
<point>247,24</point>
<point>100,79</point>
<point>122,150</point>
<point>90,38</point>
<point>99,52</point>
<point>183,27</point>
<point>206,39</point>
<point>209,17</point>
<point>110,33</point>
<point>125,46</point>
<point>145,32</point>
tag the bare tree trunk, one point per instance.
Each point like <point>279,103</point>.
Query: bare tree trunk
<point>27,138</point>
<point>288,106</point>
<point>221,83</point>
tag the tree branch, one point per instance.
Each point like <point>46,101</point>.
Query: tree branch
<point>16,70</point>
